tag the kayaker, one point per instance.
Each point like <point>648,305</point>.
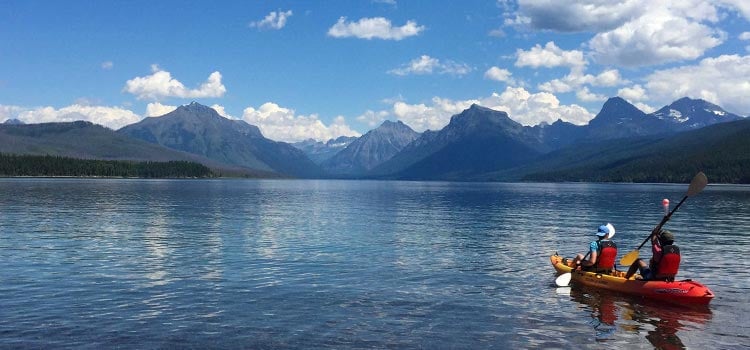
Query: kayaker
<point>602,252</point>
<point>665,259</point>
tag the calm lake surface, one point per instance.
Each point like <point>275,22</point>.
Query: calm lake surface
<point>104,263</point>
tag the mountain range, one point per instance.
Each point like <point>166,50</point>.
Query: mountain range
<point>478,144</point>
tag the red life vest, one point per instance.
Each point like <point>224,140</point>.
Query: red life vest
<point>667,267</point>
<point>606,255</point>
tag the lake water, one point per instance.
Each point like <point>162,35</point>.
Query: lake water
<point>104,263</point>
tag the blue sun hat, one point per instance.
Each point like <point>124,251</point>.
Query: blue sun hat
<point>607,231</point>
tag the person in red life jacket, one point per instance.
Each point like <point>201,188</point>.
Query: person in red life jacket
<point>665,259</point>
<point>602,252</point>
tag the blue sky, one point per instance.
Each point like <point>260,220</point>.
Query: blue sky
<point>322,69</point>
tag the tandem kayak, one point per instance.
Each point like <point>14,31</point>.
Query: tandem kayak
<point>679,292</point>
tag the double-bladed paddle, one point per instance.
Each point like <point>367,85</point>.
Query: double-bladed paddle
<point>696,186</point>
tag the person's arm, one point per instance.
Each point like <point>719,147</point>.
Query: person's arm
<point>592,259</point>
<point>593,248</point>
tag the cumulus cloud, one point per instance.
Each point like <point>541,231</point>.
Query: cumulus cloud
<point>429,65</point>
<point>632,32</point>
<point>741,6</point>
<point>585,95</point>
<point>9,112</point>
<point>533,108</point>
<point>107,65</point>
<point>549,56</point>
<point>222,112</point>
<point>499,74</point>
<point>274,20</point>
<point>577,78</point>
<point>372,118</point>
<point>283,124</point>
<point>434,116</point>
<point>633,93</point>
<point>655,38</point>
<point>374,28</point>
<point>744,36</point>
<point>521,105</point>
<point>111,117</point>
<point>160,84</point>
<point>721,80</point>
<point>156,109</point>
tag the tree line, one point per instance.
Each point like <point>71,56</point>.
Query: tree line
<point>30,165</point>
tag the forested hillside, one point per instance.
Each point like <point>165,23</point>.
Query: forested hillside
<point>26,165</point>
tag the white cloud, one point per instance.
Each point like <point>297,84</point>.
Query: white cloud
<point>744,36</point>
<point>372,118</point>
<point>421,117</point>
<point>741,6</point>
<point>721,80</point>
<point>634,93</point>
<point>111,117</point>
<point>549,56</point>
<point>576,79</point>
<point>655,38</point>
<point>521,106</point>
<point>107,65</point>
<point>160,84</point>
<point>428,65</point>
<point>156,109</point>
<point>534,108</point>
<point>282,124</point>
<point>274,20</point>
<point>644,107</point>
<point>633,32</point>
<point>222,112</point>
<point>499,74</point>
<point>583,94</point>
<point>374,28</point>
<point>9,112</point>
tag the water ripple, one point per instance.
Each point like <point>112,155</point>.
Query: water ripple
<point>349,264</point>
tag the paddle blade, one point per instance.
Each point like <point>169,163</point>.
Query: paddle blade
<point>629,258</point>
<point>563,280</point>
<point>699,182</point>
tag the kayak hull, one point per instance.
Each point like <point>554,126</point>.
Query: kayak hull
<point>679,292</point>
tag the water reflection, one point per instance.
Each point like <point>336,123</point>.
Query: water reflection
<point>659,323</point>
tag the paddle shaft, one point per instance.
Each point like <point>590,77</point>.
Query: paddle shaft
<point>663,221</point>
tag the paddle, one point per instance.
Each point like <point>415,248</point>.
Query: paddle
<point>696,186</point>
<point>564,279</point>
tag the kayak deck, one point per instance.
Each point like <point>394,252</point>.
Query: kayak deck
<point>680,292</point>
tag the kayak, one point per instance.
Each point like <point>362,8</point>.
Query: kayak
<point>679,292</point>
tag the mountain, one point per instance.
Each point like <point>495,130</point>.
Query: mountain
<point>475,141</point>
<point>619,119</point>
<point>719,150</point>
<point>13,122</point>
<point>90,141</point>
<point>558,134</point>
<point>319,151</point>
<point>199,129</point>
<point>690,114</point>
<point>371,149</point>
